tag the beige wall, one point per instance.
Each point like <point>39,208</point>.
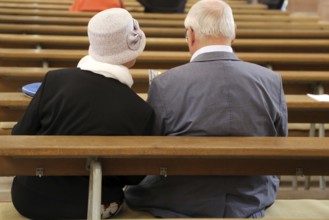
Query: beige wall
<point>321,7</point>
<point>303,5</point>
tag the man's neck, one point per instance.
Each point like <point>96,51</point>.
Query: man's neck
<point>214,41</point>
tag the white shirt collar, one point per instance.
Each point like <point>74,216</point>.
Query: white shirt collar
<point>212,48</point>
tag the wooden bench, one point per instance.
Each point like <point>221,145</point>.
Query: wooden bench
<point>70,155</point>
<point>162,32</point>
<point>127,2</point>
<point>171,44</point>
<point>13,104</point>
<point>250,16</point>
<point>267,24</point>
<point>160,59</point>
<point>294,82</point>
<point>301,108</point>
<point>47,10</point>
<point>131,7</point>
<point>133,4</point>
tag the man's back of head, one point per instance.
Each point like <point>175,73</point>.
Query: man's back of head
<point>212,22</point>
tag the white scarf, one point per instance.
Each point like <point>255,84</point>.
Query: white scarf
<point>118,72</point>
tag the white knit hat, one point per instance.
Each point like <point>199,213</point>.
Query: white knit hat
<point>115,37</point>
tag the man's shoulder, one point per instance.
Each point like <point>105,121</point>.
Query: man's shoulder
<point>258,68</point>
<point>171,77</point>
<point>177,70</point>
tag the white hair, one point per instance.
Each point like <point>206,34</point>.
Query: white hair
<point>211,18</point>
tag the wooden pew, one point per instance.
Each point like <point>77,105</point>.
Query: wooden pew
<point>131,7</point>
<point>166,155</point>
<point>250,16</point>
<point>127,2</point>
<point>160,59</point>
<point>47,10</point>
<point>294,82</point>
<point>301,108</point>
<point>163,32</point>
<point>171,44</point>
<point>267,24</point>
<point>238,4</point>
<point>238,150</point>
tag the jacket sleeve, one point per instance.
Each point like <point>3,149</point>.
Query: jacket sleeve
<point>30,123</point>
<point>149,124</point>
<point>281,123</point>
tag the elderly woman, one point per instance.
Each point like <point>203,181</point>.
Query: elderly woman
<point>94,98</point>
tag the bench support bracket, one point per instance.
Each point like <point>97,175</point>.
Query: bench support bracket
<point>95,189</point>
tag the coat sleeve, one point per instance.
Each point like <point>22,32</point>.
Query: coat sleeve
<point>281,123</point>
<point>30,123</point>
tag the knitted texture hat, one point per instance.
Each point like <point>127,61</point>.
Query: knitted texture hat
<point>115,37</point>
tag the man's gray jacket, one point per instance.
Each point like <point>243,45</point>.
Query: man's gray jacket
<point>215,95</point>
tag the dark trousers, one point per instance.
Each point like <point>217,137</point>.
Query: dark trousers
<point>63,197</point>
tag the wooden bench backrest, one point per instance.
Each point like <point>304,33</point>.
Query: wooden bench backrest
<point>160,59</point>
<point>267,24</point>
<point>172,44</point>
<point>247,16</point>
<point>301,108</point>
<point>163,32</point>
<point>23,155</point>
<point>294,82</point>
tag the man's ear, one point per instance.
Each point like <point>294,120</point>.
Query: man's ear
<point>235,27</point>
<point>191,37</point>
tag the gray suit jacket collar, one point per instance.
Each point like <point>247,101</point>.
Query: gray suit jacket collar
<point>211,56</point>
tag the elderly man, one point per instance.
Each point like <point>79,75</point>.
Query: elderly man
<point>216,94</point>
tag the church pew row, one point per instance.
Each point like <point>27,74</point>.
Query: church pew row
<point>134,10</point>
<point>128,4</point>
<point>163,32</point>
<point>12,106</point>
<point>171,44</point>
<point>284,17</point>
<point>166,155</point>
<point>237,10</point>
<point>241,24</point>
<point>160,59</point>
<point>301,108</point>
<point>294,82</point>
